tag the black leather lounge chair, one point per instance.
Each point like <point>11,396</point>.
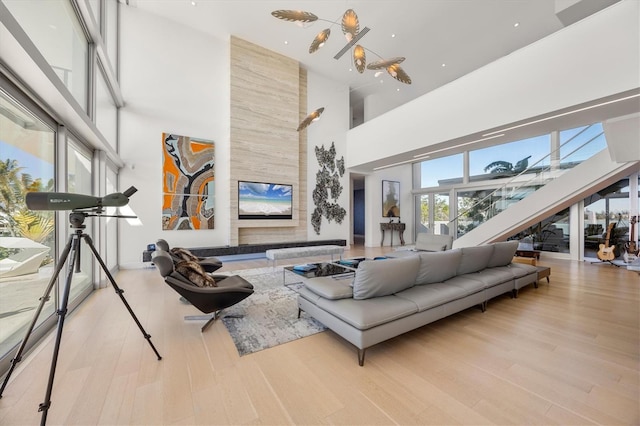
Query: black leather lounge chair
<point>210,264</point>
<point>228,290</point>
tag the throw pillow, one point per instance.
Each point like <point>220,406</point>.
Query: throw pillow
<point>375,278</point>
<point>194,272</point>
<point>184,254</point>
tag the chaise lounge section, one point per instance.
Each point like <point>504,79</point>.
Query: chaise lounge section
<point>393,296</point>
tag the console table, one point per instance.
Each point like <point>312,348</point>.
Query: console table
<point>393,226</point>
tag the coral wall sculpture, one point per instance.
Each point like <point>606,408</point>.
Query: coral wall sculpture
<point>328,188</point>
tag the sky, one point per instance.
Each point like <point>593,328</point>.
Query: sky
<point>33,165</point>
<point>538,148</point>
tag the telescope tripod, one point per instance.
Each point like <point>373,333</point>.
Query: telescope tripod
<point>72,251</point>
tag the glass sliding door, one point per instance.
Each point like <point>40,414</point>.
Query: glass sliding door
<point>441,224</point>
<point>79,182</point>
<point>434,213</point>
<point>553,234</point>
<point>474,208</point>
<point>608,213</point>
<point>111,257</point>
<point>28,241</point>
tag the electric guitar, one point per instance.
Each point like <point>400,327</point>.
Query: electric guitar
<point>606,252</point>
<point>631,246</point>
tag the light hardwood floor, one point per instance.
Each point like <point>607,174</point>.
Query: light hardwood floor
<point>565,353</point>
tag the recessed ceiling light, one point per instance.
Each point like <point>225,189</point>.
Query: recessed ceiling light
<point>286,42</point>
<point>516,25</point>
<point>398,89</point>
<point>350,69</point>
<point>444,65</point>
<point>393,35</point>
<point>193,3</point>
<point>377,74</point>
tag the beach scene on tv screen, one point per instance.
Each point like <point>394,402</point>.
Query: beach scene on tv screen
<point>264,199</point>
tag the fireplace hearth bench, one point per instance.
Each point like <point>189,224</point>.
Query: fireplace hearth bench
<point>293,252</point>
<point>387,298</point>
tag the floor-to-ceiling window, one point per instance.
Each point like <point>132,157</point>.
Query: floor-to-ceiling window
<point>79,182</point>
<point>111,255</point>
<point>608,219</point>
<point>460,192</point>
<point>74,48</point>
<point>434,206</point>
<point>28,244</point>
<point>54,28</point>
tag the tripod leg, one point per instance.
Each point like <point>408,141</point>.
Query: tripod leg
<point>119,292</point>
<point>43,300</point>
<point>62,313</point>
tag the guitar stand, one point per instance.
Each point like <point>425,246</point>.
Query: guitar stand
<point>73,248</point>
<point>606,261</point>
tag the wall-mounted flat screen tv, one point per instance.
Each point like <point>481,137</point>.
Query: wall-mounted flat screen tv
<point>259,200</point>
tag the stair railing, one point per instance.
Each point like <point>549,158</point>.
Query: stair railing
<point>520,186</point>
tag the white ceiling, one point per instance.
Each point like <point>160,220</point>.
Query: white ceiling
<point>462,34</point>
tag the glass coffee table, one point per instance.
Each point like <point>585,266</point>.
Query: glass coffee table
<point>339,269</point>
<point>315,270</point>
<point>353,263</point>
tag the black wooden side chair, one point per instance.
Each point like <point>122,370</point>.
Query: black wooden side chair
<point>228,291</point>
<point>210,264</point>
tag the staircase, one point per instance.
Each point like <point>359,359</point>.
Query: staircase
<point>588,177</point>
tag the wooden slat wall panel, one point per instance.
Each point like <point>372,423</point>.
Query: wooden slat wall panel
<point>268,96</point>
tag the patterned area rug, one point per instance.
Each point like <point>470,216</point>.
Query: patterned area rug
<point>269,317</point>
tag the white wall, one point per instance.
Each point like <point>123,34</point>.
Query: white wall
<point>174,80</point>
<point>596,57</point>
<point>373,205</point>
<point>623,138</point>
<point>332,127</point>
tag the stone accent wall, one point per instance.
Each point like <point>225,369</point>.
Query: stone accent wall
<point>268,100</point>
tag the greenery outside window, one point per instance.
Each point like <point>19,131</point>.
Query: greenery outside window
<point>28,241</point>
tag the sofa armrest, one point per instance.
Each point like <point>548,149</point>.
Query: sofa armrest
<point>433,242</point>
<point>332,288</point>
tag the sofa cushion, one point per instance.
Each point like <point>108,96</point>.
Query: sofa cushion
<point>436,267</point>
<point>474,259</point>
<point>527,269</point>
<point>503,253</point>
<point>375,278</point>
<point>467,285</point>
<point>430,296</point>
<point>491,276</point>
<point>364,314</point>
<point>330,288</point>
<point>433,242</point>
<point>514,270</point>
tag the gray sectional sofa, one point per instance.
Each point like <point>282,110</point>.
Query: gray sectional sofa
<point>390,297</point>
<point>425,242</point>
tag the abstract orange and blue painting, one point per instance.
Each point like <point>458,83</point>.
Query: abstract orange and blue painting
<point>188,183</point>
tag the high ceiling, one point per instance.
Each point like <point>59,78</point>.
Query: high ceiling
<point>441,40</point>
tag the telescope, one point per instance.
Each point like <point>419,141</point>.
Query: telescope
<point>81,207</point>
<point>76,202</point>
